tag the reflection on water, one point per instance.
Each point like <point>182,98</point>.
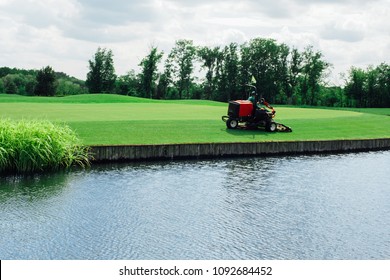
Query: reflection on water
<point>304,207</point>
<point>31,186</point>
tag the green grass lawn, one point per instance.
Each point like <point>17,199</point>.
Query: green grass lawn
<point>112,119</point>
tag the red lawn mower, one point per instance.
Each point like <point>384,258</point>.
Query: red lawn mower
<point>252,114</point>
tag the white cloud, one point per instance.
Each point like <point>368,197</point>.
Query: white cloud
<point>66,33</point>
<point>348,30</point>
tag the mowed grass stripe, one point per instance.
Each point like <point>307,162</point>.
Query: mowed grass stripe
<point>98,98</point>
<point>110,111</point>
<point>206,131</point>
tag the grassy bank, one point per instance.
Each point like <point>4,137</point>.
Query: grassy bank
<point>113,120</point>
<point>34,146</point>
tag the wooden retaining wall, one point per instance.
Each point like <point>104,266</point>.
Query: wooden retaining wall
<point>215,150</point>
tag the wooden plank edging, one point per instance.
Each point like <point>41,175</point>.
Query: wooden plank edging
<point>215,150</point>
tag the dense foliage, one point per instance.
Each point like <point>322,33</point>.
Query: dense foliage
<point>46,82</point>
<point>25,82</point>
<point>101,77</point>
<point>148,75</point>
<point>282,75</point>
<point>33,146</point>
<point>370,87</point>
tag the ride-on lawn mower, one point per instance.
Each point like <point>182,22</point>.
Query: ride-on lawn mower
<point>248,114</point>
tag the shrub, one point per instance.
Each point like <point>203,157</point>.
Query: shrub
<point>37,145</point>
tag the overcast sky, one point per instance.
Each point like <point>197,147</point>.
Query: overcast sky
<point>65,34</point>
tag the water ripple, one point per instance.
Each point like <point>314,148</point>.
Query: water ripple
<point>304,207</point>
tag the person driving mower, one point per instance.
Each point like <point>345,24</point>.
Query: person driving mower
<point>259,110</point>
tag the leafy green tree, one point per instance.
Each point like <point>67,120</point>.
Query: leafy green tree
<point>369,87</point>
<point>245,77</point>
<point>10,85</point>
<point>313,69</point>
<point>209,59</point>
<point>165,82</point>
<point>355,87</point>
<point>294,70</point>
<point>148,76</point>
<point>228,74</point>
<point>282,74</point>
<point>69,87</point>
<point>30,82</point>
<point>4,71</point>
<point>378,86</point>
<point>372,88</point>
<point>46,82</point>
<point>261,57</point>
<point>2,90</point>
<point>162,86</point>
<point>383,80</point>
<point>101,77</point>
<point>180,66</point>
<point>332,96</point>
<point>127,84</point>
<point>17,81</point>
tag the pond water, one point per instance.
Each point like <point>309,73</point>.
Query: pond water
<point>293,207</point>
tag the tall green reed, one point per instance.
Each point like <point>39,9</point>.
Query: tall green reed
<point>38,145</point>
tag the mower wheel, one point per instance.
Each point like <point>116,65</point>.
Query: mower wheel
<point>271,127</point>
<point>232,123</point>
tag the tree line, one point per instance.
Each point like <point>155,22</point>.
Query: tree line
<point>44,82</point>
<point>281,74</point>
<point>368,87</point>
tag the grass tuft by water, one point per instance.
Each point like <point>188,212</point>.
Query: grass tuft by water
<point>28,146</point>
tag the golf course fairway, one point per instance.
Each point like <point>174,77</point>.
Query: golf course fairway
<point>105,119</point>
